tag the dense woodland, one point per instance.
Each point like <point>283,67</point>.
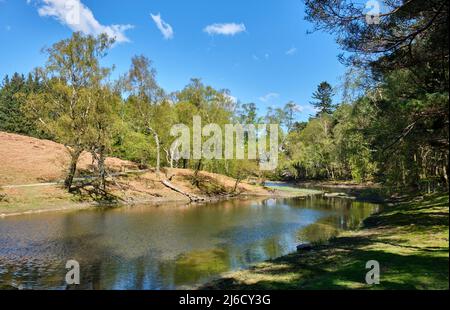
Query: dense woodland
<point>390,126</point>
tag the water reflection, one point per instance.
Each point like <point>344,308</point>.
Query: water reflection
<point>166,247</point>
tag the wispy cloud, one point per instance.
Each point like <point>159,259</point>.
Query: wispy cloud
<point>229,29</point>
<point>78,17</point>
<point>257,57</point>
<point>165,28</point>
<point>269,97</point>
<point>291,51</point>
<point>233,99</point>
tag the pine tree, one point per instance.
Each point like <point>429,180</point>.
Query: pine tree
<point>324,99</point>
<point>12,118</point>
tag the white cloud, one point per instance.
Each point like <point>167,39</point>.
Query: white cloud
<point>78,17</point>
<point>269,97</point>
<point>229,29</point>
<point>292,51</point>
<point>164,27</point>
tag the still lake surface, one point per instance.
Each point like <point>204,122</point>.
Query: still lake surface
<point>165,247</point>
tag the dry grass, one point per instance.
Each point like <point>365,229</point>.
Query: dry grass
<point>28,161</point>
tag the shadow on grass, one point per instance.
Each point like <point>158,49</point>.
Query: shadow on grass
<point>344,268</point>
<point>410,241</point>
<point>92,191</point>
<point>207,186</point>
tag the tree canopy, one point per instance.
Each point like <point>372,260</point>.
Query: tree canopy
<point>391,126</point>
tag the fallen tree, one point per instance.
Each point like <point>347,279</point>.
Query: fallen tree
<point>192,198</point>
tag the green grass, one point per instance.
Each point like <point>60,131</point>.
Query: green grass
<point>410,240</point>
<point>295,190</point>
<point>37,199</point>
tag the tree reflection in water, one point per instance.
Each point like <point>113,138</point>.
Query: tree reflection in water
<point>165,247</point>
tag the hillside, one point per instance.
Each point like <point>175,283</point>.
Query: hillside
<point>26,160</point>
<point>31,168</point>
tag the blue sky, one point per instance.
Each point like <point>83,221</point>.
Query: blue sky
<point>258,49</point>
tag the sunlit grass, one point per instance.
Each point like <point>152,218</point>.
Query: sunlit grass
<point>295,190</point>
<point>409,240</point>
<point>35,199</point>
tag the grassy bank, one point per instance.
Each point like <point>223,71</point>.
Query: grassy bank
<point>287,188</point>
<point>410,240</point>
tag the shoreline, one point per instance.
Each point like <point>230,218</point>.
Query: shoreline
<point>385,236</point>
<point>68,205</point>
<point>339,184</point>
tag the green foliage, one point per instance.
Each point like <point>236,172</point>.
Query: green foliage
<point>132,145</point>
<point>403,128</point>
<point>74,106</point>
<point>12,117</point>
<point>324,99</point>
<point>392,126</point>
<point>71,80</point>
<point>312,149</point>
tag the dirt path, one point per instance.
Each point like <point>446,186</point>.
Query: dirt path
<point>118,174</point>
<point>30,185</point>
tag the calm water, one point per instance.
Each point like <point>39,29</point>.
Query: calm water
<point>167,247</point>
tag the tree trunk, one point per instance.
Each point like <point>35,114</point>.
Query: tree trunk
<point>102,170</point>
<point>197,170</point>
<point>74,156</point>
<point>328,172</point>
<point>199,166</point>
<point>191,197</point>
<point>158,150</point>
<point>158,155</point>
<point>226,167</point>
<point>169,157</point>
<point>236,184</point>
<point>444,169</point>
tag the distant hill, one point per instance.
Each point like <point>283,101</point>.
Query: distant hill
<point>26,160</point>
